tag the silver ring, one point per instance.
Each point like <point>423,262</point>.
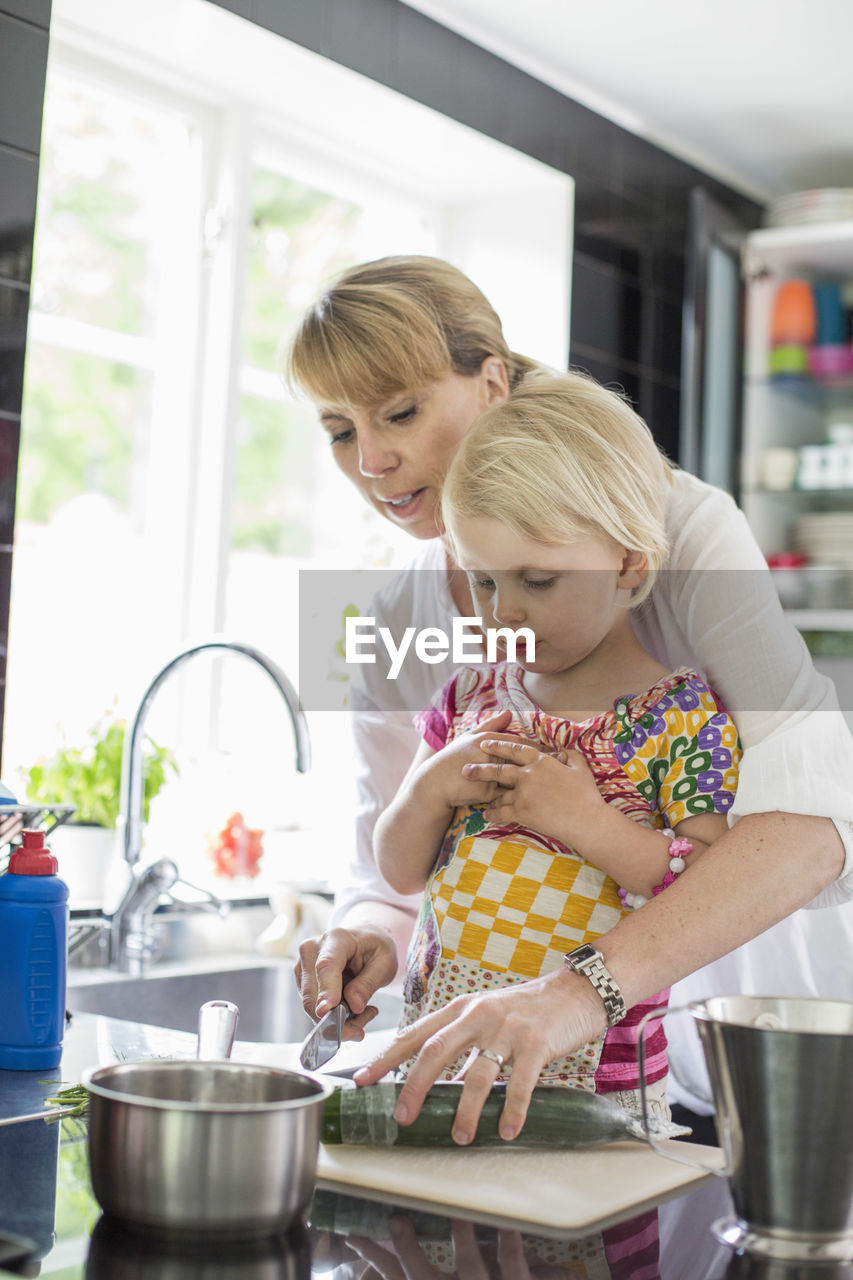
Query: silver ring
<point>492,1056</point>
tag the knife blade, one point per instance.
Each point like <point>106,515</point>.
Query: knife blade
<point>322,1043</point>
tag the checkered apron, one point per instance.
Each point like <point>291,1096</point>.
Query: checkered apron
<point>503,911</point>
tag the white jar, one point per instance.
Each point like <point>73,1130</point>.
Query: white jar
<point>778,468</point>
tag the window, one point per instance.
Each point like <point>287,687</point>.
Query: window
<point>194,196</point>
<point>106,392</point>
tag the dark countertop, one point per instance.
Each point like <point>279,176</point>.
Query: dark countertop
<point>45,1195</point>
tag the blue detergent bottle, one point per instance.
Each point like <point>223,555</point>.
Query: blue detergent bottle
<point>33,943</point>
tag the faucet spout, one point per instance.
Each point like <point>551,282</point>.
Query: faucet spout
<point>130,821</point>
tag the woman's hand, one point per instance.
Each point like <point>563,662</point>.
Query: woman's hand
<point>352,962</point>
<point>555,795</point>
<point>526,1025</point>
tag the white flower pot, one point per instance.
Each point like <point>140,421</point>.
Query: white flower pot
<point>85,854</point>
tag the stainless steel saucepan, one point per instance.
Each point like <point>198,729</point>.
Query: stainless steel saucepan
<point>205,1146</point>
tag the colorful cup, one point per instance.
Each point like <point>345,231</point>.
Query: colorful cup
<point>794,320</point>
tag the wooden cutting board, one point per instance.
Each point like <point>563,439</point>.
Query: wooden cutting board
<point>567,1193</point>
<point>563,1193</point>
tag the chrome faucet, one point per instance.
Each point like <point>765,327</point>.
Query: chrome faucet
<point>132,939</point>
<point>130,936</point>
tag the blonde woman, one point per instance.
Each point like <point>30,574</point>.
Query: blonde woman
<point>401,356</point>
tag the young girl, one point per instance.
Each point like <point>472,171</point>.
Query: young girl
<point>619,769</point>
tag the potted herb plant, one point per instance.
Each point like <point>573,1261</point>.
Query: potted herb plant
<point>89,777</point>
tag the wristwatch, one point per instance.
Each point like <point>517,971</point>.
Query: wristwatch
<point>590,963</point>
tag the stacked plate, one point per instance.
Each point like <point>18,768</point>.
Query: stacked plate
<point>826,537</point>
<point>823,204</point>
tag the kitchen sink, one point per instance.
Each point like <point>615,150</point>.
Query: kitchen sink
<point>264,992</point>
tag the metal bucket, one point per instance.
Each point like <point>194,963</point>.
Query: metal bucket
<point>781,1072</point>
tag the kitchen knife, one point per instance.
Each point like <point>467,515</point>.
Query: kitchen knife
<point>321,1044</point>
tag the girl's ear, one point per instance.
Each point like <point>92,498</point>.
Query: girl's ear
<point>633,571</point>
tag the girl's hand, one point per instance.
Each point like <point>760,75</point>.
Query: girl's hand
<point>528,1025</point>
<point>443,778</point>
<point>557,796</point>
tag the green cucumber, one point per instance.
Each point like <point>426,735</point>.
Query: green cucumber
<point>556,1117</point>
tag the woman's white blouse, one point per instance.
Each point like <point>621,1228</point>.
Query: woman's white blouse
<point>713,608</point>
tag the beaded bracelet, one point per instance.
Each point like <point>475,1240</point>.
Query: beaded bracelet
<point>678,851</point>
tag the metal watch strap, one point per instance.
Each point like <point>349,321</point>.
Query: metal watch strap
<point>589,962</point>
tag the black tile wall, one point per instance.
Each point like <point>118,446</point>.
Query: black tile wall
<point>23,64</point>
<point>612,229</point>
<point>18,180</point>
<point>305,24</point>
<point>14,304</point>
<point>243,8</point>
<point>666,335</point>
<point>611,373</point>
<point>5,595</point>
<point>668,258</point>
<point>607,311</point>
<point>10,433</point>
<point>36,12</point>
<point>643,173</point>
<point>665,401</point>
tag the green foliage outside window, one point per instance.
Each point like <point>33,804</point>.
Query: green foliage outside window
<point>272,488</point>
<point>299,238</point>
<point>95,248</point>
<point>81,418</point>
<point>85,424</point>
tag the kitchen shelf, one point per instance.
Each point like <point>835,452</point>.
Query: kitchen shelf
<point>815,391</point>
<point>820,248</point>
<point>796,492</point>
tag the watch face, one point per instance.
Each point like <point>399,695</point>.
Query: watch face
<point>582,955</point>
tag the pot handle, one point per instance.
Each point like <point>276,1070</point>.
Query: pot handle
<point>217,1024</point>
<point>672,1150</point>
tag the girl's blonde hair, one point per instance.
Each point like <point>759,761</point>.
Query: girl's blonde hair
<point>393,325</point>
<point>561,458</point>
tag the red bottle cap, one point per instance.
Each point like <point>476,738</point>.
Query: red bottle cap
<point>32,858</point>
<point>787,560</point>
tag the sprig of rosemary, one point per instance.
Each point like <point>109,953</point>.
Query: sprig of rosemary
<point>75,1096</point>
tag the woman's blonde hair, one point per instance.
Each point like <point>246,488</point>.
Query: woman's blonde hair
<point>392,325</point>
<point>561,458</point>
